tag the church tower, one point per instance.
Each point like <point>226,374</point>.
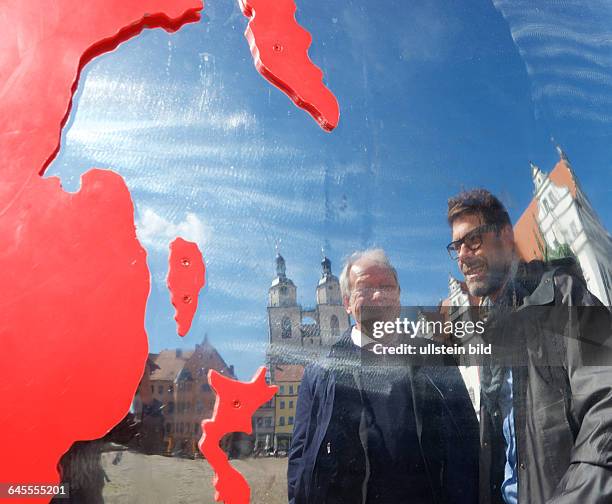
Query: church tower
<point>539,178</point>
<point>284,314</point>
<point>333,319</point>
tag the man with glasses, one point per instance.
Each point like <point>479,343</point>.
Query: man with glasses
<point>380,434</point>
<point>546,395</point>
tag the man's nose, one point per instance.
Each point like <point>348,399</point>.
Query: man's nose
<point>464,252</point>
<point>377,294</point>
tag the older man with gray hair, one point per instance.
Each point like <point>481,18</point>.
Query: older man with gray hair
<point>377,434</point>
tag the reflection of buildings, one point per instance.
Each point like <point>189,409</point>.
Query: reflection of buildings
<point>181,394</point>
<point>558,222</point>
<point>294,333</point>
<point>290,325</point>
<point>263,427</point>
<point>288,378</point>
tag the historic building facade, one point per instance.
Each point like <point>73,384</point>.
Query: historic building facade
<point>178,396</point>
<point>295,336</point>
<point>560,221</point>
<point>291,326</point>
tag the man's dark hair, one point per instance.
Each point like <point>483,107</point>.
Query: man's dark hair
<point>480,202</point>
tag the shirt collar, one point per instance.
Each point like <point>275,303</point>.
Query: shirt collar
<point>360,339</point>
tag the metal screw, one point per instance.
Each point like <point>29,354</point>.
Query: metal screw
<point>185,261</point>
<point>186,299</point>
<point>277,47</point>
<point>236,403</point>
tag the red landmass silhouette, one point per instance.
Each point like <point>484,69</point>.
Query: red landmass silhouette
<point>74,276</point>
<point>279,46</point>
<point>234,407</point>
<point>186,276</point>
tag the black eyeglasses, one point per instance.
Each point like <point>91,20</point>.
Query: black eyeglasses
<point>473,240</point>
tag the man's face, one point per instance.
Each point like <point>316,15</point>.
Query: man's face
<point>374,294</point>
<point>486,266</point>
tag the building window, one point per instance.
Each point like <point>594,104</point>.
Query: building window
<point>334,326</point>
<point>181,427</point>
<point>168,428</point>
<point>282,405</point>
<point>160,389</point>
<point>286,328</point>
<point>268,422</point>
<point>290,421</point>
<point>196,428</point>
<point>281,421</point>
<point>553,198</point>
<point>152,389</point>
<point>170,389</point>
<point>290,404</point>
<point>199,406</point>
<point>259,421</point>
<point>546,205</point>
<point>574,229</point>
<point>290,389</point>
<point>170,408</point>
<point>282,389</point>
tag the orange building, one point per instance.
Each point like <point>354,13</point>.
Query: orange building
<point>179,385</point>
<point>288,378</point>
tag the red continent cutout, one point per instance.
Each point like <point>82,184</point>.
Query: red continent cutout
<point>234,407</point>
<point>279,46</point>
<point>186,276</point>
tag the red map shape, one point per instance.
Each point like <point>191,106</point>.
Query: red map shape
<point>279,46</point>
<point>186,276</point>
<point>234,407</point>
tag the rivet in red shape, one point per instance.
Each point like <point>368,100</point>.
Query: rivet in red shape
<point>236,403</point>
<point>277,47</point>
<point>187,299</point>
<point>185,261</point>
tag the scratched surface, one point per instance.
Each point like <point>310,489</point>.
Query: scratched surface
<point>434,96</point>
<point>77,279</point>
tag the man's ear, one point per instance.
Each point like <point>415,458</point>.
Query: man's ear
<point>347,306</point>
<point>507,235</point>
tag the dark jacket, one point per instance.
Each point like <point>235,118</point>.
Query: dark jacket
<point>558,336</point>
<point>324,435</point>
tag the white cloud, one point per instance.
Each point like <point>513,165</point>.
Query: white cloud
<point>156,231</point>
